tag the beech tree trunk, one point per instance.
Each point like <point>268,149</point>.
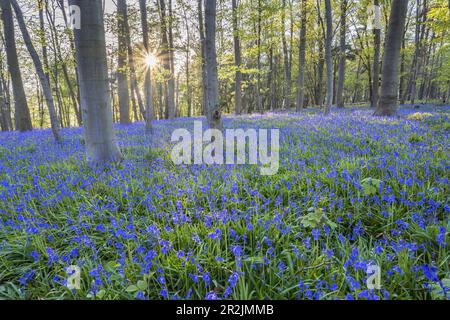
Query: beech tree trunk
<point>213,113</point>
<point>90,46</point>
<point>122,78</point>
<point>237,61</point>
<point>301,60</point>
<point>328,57</point>
<point>391,59</point>
<point>376,64</point>
<point>342,56</point>
<point>148,77</point>
<point>39,70</point>
<point>22,113</point>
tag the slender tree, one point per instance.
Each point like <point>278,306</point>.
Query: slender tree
<point>201,28</point>
<point>342,55</point>
<point>167,61</point>
<point>328,57</point>
<point>302,59</point>
<point>237,60</point>
<point>376,60</point>
<point>287,63</point>
<point>90,46</point>
<point>54,121</point>
<point>148,77</point>
<point>3,111</point>
<point>389,82</point>
<point>122,77</point>
<point>213,113</point>
<point>132,69</point>
<point>22,113</point>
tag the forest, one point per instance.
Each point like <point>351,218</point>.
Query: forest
<point>102,197</point>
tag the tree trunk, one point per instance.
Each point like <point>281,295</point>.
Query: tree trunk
<point>389,81</point>
<point>410,92</point>
<point>3,111</point>
<point>39,70</point>
<point>167,62</point>
<point>171,82</point>
<point>237,61</point>
<point>73,95</point>
<point>342,56</point>
<point>287,65</point>
<point>6,96</point>
<point>376,64</point>
<point>22,113</point>
<point>188,51</point>
<point>301,60</point>
<point>213,113</point>
<point>148,76</point>
<point>321,62</point>
<point>328,57</point>
<point>201,28</point>
<point>133,79</point>
<point>259,105</point>
<point>93,74</point>
<point>122,78</point>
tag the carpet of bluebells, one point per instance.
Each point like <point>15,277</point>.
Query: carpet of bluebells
<point>352,191</point>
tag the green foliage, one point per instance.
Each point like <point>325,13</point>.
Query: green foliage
<point>370,186</point>
<point>316,218</point>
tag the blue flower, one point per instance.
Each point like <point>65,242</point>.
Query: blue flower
<point>211,296</point>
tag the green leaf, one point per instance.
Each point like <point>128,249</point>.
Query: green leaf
<point>142,285</point>
<point>100,294</point>
<point>132,288</point>
<point>370,186</point>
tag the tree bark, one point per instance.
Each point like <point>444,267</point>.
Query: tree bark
<point>22,113</point>
<point>376,64</point>
<point>39,70</point>
<point>301,59</point>
<point>132,69</point>
<point>259,105</point>
<point>167,62</point>
<point>237,61</point>
<point>342,56</point>
<point>122,78</point>
<point>73,95</point>
<point>3,111</point>
<point>201,27</point>
<point>287,65</point>
<point>213,113</point>
<point>328,57</point>
<point>389,81</point>
<point>148,76</point>
<point>90,46</point>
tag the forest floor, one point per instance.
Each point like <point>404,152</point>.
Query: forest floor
<point>352,191</point>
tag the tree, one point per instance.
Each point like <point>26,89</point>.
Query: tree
<point>328,57</point>
<point>5,114</point>
<point>376,62</point>
<point>22,113</point>
<point>93,74</point>
<point>133,78</point>
<point>122,78</point>
<point>237,60</point>
<point>301,59</point>
<point>389,81</point>
<point>148,77</point>
<point>201,28</point>
<point>39,70</point>
<point>213,113</point>
<point>342,56</point>
<point>167,58</point>
<point>287,64</point>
